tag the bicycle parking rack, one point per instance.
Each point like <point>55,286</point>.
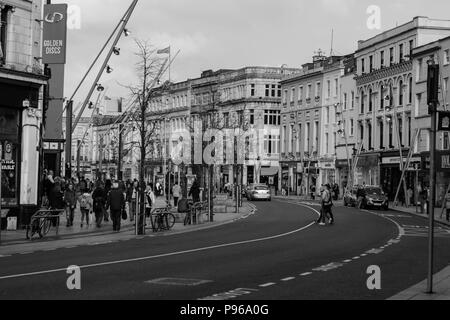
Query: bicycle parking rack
<point>45,214</point>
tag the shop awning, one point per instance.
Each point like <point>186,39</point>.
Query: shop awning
<point>269,171</point>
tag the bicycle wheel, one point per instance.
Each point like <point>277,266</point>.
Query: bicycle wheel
<point>169,220</point>
<point>32,228</point>
<point>45,228</point>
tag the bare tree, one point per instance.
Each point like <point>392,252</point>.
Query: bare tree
<point>149,70</point>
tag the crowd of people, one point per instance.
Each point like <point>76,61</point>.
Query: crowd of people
<point>98,201</point>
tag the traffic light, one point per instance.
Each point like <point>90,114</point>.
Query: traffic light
<point>432,87</point>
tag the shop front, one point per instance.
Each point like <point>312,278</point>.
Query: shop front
<point>20,119</point>
<point>368,170</point>
<point>342,175</point>
<point>327,172</point>
<point>442,173</point>
<point>390,175</point>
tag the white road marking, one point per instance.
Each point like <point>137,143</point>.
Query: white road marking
<point>177,253</point>
<point>288,279</point>
<point>306,274</point>
<point>347,261</point>
<point>267,285</point>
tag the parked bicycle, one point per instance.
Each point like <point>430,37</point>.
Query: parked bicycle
<point>162,219</point>
<point>41,223</point>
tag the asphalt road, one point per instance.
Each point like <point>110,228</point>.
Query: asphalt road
<point>278,253</point>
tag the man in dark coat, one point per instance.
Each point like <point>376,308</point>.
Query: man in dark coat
<point>116,204</point>
<point>99,198</point>
<point>195,191</point>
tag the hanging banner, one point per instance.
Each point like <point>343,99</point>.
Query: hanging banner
<point>54,34</point>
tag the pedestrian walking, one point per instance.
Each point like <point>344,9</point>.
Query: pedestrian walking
<point>99,198</point>
<point>56,199</point>
<point>116,204</point>
<point>447,206</point>
<point>195,191</point>
<point>70,197</point>
<point>326,205</point>
<point>150,200</point>
<point>86,204</point>
<point>108,187</point>
<point>361,195</point>
<point>176,192</point>
<point>132,196</point>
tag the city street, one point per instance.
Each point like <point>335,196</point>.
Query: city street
<point>277,253</point>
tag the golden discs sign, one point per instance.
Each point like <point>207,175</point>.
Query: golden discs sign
<point>55,34</point>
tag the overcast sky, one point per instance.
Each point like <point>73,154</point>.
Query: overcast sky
<point>214,34</point>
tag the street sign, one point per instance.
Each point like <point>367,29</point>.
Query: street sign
<point>443,121</point>
<point>54,34</point>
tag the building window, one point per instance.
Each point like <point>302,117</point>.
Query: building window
<point>327,144</point>
<point>370,100</point>
<point>391,135</point>
<point>300,93</point>
<point>381,97</point>
<point>328,88</point>
<point>272,117</point>
<point>381,134</point>
<point>252,90</point>
<point>267,90</point>
<point>410,90</point>
<point>400,93</point>
<point>391,56</point>
<point>352,127</point>
<point>400,130</point>
<point>363,66</point>
<point>308,91</point>
<point>279,91</point>
<point>274,88</point>
<point>362,102</point>
<point>307,137</point>
<point>292,95</point>
<point>369,129</point>
<point>4,15</point>
<point>285,97</point>
<point>292,138</point>
<point>345,101</point>
<point>447,57</point>
<point>271,144</point>
<point>361,132</point>
<point>283,139</point>
<point>252,116</point>
<point>327,115</point>
<point>411,47</point>
<point>371,63</point>
<point>382,59</point>
<point>401,53</point>
<point>446,141</point>
<point>318,89</point>
<point>353,100</point>
<point>336,87</point>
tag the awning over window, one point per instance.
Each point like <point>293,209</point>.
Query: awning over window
<point>269,171</point>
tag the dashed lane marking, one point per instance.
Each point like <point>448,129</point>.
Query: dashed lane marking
<point>288,279</point>
<point>306,274</point>
<point>265,285</point>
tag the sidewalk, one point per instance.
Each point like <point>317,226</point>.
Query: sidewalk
<point>412,210</point>
<point>441,283</point>
<point>14,242</point>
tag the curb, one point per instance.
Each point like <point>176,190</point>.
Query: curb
<point>168,233</point>
<point>447,224</point>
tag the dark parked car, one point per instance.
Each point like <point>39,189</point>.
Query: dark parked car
<point>374,198</point>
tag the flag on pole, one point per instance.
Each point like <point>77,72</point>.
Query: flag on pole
<point>164,51</point>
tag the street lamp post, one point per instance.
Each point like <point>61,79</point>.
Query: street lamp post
<point>433,100</point>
